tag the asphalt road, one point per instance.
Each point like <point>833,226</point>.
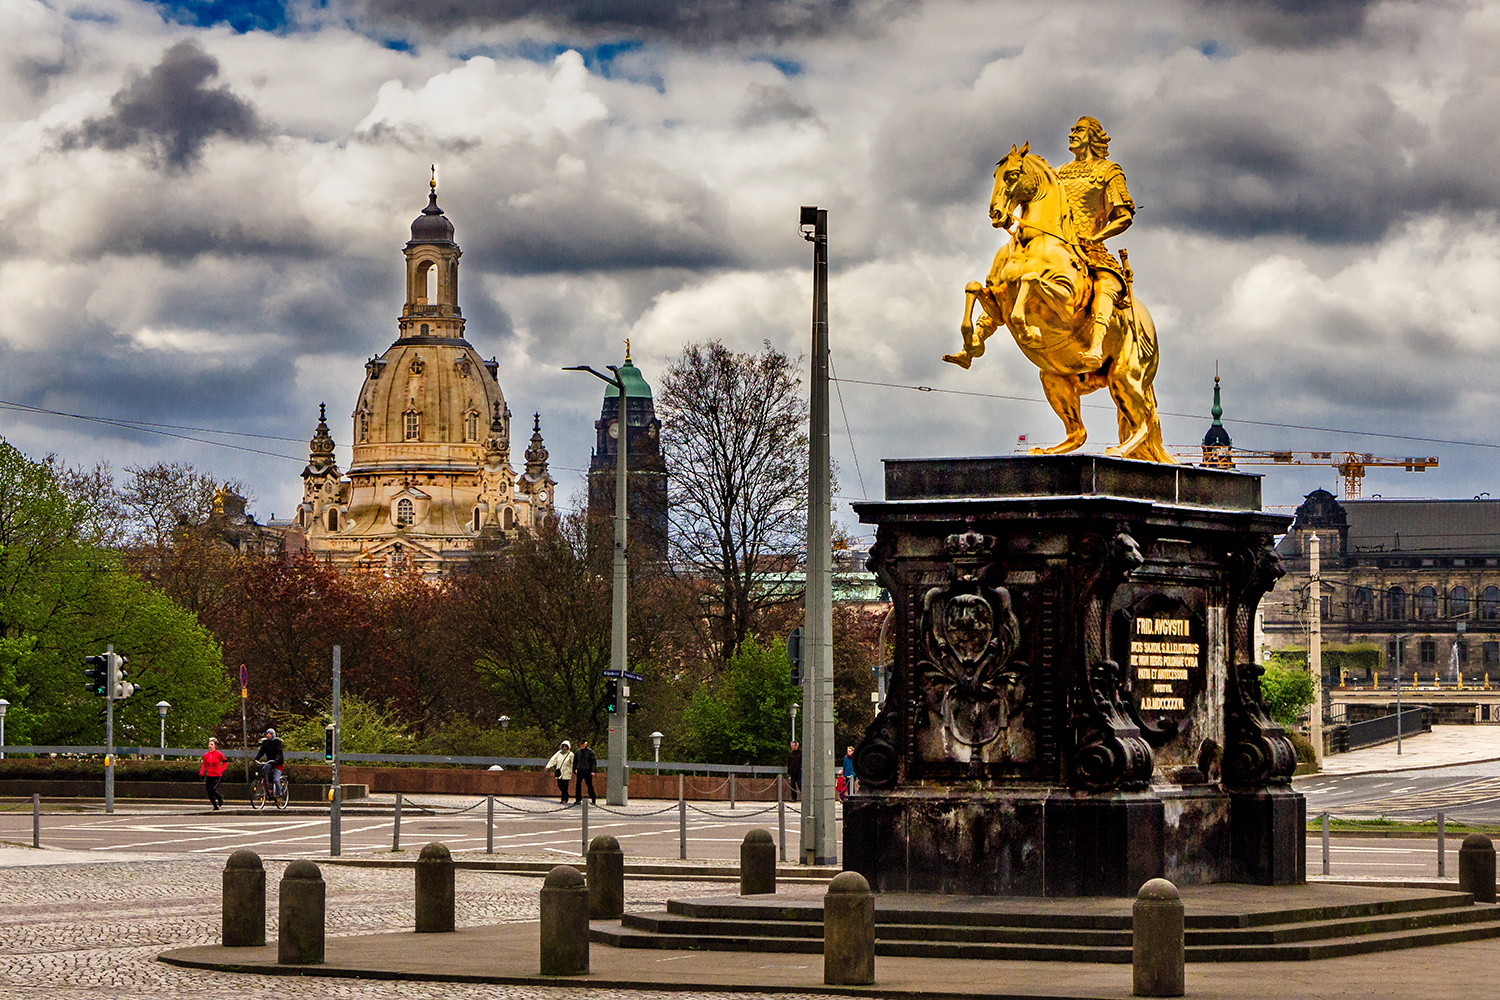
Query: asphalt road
<point>1463,792</point>
<point>531,827</point>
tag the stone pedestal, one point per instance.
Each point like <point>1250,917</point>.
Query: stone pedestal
<point>1073,707</point>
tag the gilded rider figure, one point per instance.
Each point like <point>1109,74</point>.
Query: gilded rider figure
<point>1102,207</point>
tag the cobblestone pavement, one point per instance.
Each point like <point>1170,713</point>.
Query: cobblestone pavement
<point>70,932</point>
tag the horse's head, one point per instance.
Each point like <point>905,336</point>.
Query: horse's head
<point>1014,186</point>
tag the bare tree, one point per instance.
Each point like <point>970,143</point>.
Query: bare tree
<point>734,435</point>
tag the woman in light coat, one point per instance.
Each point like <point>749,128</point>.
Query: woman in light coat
<point>561,765</point>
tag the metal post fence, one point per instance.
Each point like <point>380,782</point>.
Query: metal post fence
<point>489,824</point>
<point>1325,842</point>
<point>36,820</point>
<point>731,791</point>
<point>396,826</point>
<point>681,821</point>
<point>781,817</point>
<point>1442,854</point>
<point>583,840</point>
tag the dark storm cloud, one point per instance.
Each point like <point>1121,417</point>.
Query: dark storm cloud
<point>1289,24</point>
<point>171,109</point>
<point>693,22</point>
<point>1328,171</point>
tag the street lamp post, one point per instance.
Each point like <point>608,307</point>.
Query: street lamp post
<point>161,710</point>
<point>504,723</point>
<point>656,739</point>
<point>795,706</point>
<point>1400,650</point>
<point>3,706</point>
<point>616,794</point>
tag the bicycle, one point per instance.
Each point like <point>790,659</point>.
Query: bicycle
<point>259,793</point>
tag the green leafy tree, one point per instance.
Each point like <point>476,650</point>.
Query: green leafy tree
<point>62,598</point>
<point>743,718</point>
<point>1287,690</point>
<point>363,728</point>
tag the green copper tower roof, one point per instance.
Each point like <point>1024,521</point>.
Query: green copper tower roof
<point>635,383</point>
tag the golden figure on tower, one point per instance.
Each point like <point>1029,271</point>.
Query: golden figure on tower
<point>1065,299</point>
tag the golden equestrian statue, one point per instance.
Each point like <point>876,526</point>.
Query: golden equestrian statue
<point>1065,299</point>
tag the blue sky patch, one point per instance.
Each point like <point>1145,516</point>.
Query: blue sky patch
<point>241,15</point>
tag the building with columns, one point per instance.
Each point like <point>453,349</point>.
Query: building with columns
<point>431,481</point>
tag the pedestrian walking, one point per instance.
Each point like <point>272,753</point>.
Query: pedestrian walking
<point>561,764</point>
<point>212,769</point>
<point>848,772</point>
<point>794,770</point>
<point>584,763</point>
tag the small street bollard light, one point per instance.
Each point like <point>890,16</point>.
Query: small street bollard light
<point>656,739</point>
<point>3,706</point>
<point>504,722</point>
<point>161,710</point>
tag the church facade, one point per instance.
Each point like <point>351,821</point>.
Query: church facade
<point>431,481</point>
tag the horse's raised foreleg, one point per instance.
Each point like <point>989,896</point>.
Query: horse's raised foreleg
<point>1062,392</point>
<point>974,335</point>
<point>1026,336</point>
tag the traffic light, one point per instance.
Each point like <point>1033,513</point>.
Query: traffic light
<point>96,675</point>
<point>795,654</point>
<point>328,742</point>
<point>611,695</point>
<point>630,707</point>
<point>123,688</point>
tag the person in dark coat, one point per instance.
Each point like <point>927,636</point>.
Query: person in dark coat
<point>584,764</point>
<point>794,769</point>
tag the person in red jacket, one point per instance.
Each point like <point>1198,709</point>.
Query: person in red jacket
<point>212,769</point>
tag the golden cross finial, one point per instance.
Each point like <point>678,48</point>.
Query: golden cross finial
<point>627,349</point>
<point>434,177</point>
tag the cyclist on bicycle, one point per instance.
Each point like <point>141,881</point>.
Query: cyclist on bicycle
<point>275,761</point>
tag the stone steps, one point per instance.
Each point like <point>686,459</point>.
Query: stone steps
<point>1297,933</point>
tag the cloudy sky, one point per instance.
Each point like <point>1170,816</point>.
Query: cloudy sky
<point>203,203</point>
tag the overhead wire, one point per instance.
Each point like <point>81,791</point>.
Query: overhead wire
<point>1189,416</point>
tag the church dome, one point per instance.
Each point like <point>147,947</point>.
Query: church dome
<point>432,226</point>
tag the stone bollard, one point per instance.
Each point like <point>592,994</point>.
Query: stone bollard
<point>848,931</point>
<point>565,923</point>
<point>434,890</point>
<point>244,901</point>
<point>304,895</point>
<point>757,864</point>
<point>606,878</point>
<point>1476,868</point>
<point>1156,930</point>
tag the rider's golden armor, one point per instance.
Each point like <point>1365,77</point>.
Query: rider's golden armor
<point>1095,189</point>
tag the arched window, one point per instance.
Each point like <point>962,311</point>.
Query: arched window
<point>1489,603</point>
<point>1364,603</point>
<point>432,283</point>
<point>1396,602</point>
<point>471,426</point>
<point>1458,602</point>
<point>424,329</point>
<point>405,512</point>
<point>1427,602</point>
<point>508,520</point>
<point>364,424</point>
<point>477,513</point>
<point>413,428</point>
<point>333,519</point>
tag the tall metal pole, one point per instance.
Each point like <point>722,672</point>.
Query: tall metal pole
<point>618,794</point>
<point>819,840</point>
<point>335,798</point>
<point>109,728</point>
<point>1400,645</point>
<point>1315,643</point>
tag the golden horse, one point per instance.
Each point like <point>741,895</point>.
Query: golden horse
<point>1040,287</point>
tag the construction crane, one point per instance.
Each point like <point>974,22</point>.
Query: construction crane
<point>1350,465</point>
<point>1217,452</point>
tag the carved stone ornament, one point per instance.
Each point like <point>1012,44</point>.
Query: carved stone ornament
<point>1258,751</point>
<point>975,691</point>
<point>1111,751</point>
